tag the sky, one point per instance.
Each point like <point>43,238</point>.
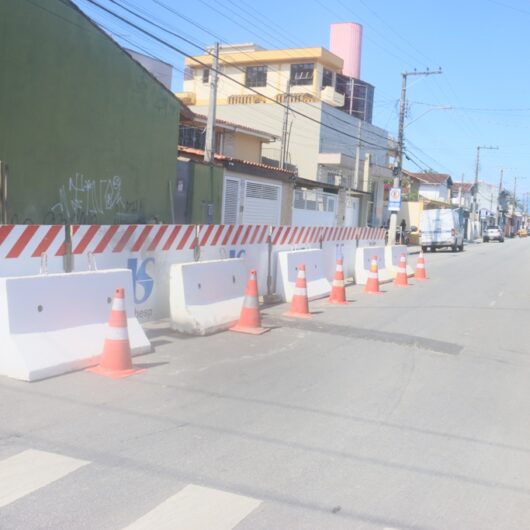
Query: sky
<point>481,47</point>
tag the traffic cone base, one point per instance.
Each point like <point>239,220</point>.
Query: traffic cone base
<point>297,315</point>
<point>338,302</point>
<point>251,331</point>
<point>115,374</point>
<point>115,360</point>
<point>250,318</point>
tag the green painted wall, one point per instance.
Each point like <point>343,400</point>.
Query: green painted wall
<point>206,188</point>
<point>88,134</point>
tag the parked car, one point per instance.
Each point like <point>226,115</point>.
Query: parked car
<point>523,232</point>
<point>441,227</point>
<point>493,233</point>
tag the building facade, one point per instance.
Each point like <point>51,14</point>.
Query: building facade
<point>328,139</point>
<point>88,134</point>
<point>237,188</point>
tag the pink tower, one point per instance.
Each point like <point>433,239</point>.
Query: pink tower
<point>345,41</point>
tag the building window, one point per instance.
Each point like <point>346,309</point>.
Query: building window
<point>342,84</point>
<point>205,75</point>
<point>302,74</point>
<point>256,76</point>
<point>327,78</point>
<point>191,137</point>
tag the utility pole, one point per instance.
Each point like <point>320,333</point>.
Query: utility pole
<point>515,198</point>
<point>399,166</point>
<point>477,168</point>
<point>499,199</point>
<point>525,194</point>
<point>460,191</point>
<point>209,147</point>
<point>285,127</point>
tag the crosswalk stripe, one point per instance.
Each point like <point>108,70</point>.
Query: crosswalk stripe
<point>197,508</point>
<point>30,470</point>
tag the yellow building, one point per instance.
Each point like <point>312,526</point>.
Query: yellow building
<point>327,136</point>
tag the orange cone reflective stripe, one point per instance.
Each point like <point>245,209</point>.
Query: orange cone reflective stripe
<point>250,318</point>
<point>420,268</point>
<point>372,282</point>
<point>401,276</point>
<point>338,290</point>
<point>300,302</point>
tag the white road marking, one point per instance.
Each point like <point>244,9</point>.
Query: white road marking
<point>197,508</point>
<point>492,303</point>
<point>30,470</point>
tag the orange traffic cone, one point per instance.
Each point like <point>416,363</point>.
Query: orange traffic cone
<point>420,268</point>
<point>115,360</point>
<point>250,319</point>
<point>372,283</point>
<point>300,302</point>
<point>338,291</point>
<point>401,276</point>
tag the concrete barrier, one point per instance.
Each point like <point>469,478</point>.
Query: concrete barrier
<point>206,296</point>
<point>392,256</point>
<point>363,257</point>
<point>52,324</point>
<point>313,259</point>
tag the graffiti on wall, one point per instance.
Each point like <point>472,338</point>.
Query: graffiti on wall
<point>83,200</point>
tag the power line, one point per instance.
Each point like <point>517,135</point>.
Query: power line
<point>182,52</point>
<point>235,65</point>
<point>480,109</point>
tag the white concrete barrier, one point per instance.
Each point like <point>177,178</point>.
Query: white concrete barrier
<point>52,324</point>
<point>392,257</point>
<point>363,257</point>
<point>206,296</point>
<point>287,270</point>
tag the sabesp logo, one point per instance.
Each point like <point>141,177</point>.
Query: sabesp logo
<point>141,278</point>
<point>237,254</point>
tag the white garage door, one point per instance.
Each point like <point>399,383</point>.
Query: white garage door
<point>262,204</point>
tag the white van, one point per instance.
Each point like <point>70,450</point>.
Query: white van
<point>442,227</point>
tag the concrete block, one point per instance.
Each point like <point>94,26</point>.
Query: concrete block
<point>363,257</point>
<point>206,296</point>
<point>318,285</point>
<point>392,256</point>
<point>57,323</point>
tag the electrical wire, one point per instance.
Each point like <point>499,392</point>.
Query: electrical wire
<point>219,72</point>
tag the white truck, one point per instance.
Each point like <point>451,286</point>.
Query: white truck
<point>441,227</point>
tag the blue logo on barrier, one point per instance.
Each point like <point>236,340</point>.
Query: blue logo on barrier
<point>233,254</point>
<point>140,277</point>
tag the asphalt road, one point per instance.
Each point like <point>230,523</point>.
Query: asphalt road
<point>408,410</point>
